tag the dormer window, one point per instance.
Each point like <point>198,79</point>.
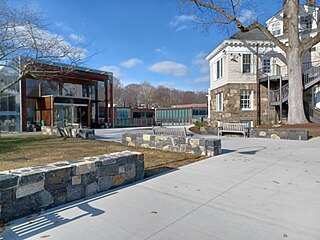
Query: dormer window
<point>306,22</point>
<point>276,29</point>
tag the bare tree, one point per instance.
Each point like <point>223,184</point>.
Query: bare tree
<point>118,92</point>
<point>25,45</point>
<point>147,93</point>
<point>229,12</point>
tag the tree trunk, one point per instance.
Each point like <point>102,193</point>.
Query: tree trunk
<point>296,114</point>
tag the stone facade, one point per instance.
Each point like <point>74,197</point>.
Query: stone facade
<point>27,190</point>
<point>232,112</point>
<point>198,146</point>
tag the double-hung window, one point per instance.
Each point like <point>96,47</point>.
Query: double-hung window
<point>276,29</point>
<point>219,102</point>
<point>219,69</point>
<point>266,65</point>
<point>246,63</point>
<point>246,99</point>
<point>306,22</point>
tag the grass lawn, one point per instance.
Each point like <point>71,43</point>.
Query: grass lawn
<point>27,151</point>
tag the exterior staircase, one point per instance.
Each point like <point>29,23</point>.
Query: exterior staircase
<point>314,115</point>
<point>310,78</point>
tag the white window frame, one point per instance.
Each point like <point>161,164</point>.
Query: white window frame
<point>264,66</point>
<point>246,103</point>
<point>219,102</point>
<point>219,68</point>
<point>242,63</point>
<point>276,29</point>
<point>306,22</point>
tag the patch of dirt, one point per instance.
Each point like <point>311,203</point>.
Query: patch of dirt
<point>195,130</point>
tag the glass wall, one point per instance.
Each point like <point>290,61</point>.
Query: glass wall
<point>173,116</point>
<point>38,88</point>
<point>9,101</point>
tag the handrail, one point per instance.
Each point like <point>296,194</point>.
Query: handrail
<point>275,94</point>
<point>310,77</point>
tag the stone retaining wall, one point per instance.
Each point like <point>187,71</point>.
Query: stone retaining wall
<point>26,190</point>
<point>290,134</point>
<point>198,146</point>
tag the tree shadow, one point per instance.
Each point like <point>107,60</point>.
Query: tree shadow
<point>245,151</point>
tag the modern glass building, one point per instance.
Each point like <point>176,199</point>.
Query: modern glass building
<point>181,114</point>
<point>10,107</point>
<point>80,96</point>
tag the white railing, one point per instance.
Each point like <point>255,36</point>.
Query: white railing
<point>311,76</point>
<point>275,95</point>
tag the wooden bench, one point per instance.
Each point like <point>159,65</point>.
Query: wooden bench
<point>234,128</point>
<point>180,132</point>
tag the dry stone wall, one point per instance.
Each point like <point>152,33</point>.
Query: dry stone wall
<point>26,190</point>
<point>198,146</point>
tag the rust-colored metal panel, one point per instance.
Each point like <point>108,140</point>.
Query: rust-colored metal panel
<point>23,104</point>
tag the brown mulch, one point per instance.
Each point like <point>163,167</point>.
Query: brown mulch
<point>27,151</point>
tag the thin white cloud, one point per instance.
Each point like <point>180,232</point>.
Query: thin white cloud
<point>181,22</point>
<point>51,46</point>
<point>132,62</point>
<point>169,68</point>
<point>246,16</point>
<point>201,80</point>
<point>64,27</point>
<point>161,49</point>
<point>201,62</point>
<point>114,69</point>
<point>77,38</point>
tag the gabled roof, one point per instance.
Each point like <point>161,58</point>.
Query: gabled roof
<point>254,34</point>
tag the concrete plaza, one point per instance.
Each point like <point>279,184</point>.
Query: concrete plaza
<point>257,189</point>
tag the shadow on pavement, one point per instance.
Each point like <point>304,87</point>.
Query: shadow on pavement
<point>246,150</point>
<point>27,227</point>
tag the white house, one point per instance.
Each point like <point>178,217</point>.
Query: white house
<point>248,74</point>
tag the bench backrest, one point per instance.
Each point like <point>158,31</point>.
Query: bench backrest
<point>170,131</point>
<point>234,126</point>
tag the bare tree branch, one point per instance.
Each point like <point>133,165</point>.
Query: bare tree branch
<point>234,18</point>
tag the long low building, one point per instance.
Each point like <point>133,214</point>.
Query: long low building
<point>127,117</point>
<point>181,114</point>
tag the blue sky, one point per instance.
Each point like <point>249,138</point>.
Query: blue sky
<point>140,40</point>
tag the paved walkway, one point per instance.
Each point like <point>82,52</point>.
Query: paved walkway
<point>258,189</point>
